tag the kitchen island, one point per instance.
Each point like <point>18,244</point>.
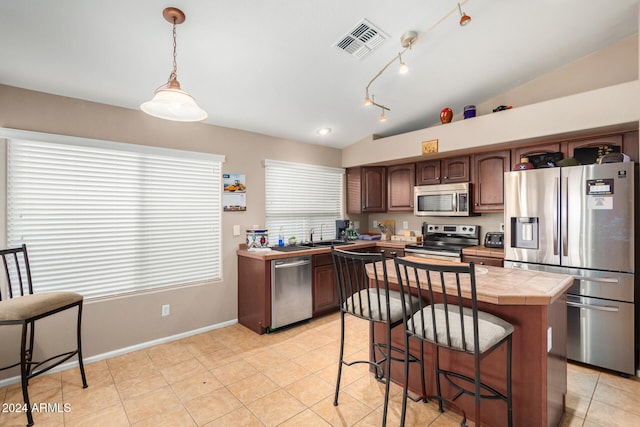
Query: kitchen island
<point>535,304</point>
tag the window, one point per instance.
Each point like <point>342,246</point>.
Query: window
<point>103,218</point>
<point>300,197</point>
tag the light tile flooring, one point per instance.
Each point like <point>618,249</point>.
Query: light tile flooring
<point>234,377</point>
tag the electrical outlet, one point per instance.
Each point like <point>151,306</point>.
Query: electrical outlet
<point>236,230</point>
<point>356,224</point>
<point>502,227</point>
<point>375,223</point>
<point>166,310</point>
<point>405,225</point>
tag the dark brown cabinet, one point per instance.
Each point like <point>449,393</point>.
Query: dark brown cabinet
<point>481,260</point>
<point>400,182</point>
<point>444,171</point>
<point>593,144</point>
<point>366,189</point>
<point>389,250</point>
<point>520,152</point>
<point>488,180</point>
<point>325,290</point>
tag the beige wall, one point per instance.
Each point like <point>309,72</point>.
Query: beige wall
<point>116,323</point>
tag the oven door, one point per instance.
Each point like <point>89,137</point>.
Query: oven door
<point>420,253</point>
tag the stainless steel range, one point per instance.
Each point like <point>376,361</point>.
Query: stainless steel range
<point>444,241</point>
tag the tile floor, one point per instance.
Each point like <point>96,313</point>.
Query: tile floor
<point>234,377</point>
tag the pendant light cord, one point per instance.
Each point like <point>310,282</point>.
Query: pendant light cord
<point>174,73</point>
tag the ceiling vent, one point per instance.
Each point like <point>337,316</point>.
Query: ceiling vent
<point>362,39</point>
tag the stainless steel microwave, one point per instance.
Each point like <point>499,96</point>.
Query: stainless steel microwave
<point>442,200</point>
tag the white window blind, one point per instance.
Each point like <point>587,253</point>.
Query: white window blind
<point>105,218</point>
<point>300,197</point>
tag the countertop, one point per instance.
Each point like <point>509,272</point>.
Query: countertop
<point>505,286</point>
<point>483,251</point>
<point>355,244</point>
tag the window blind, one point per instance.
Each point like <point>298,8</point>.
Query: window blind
<point>108,219</point>
<point>300,197</point>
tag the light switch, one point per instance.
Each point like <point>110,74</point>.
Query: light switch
<point>549,339</point>
<point>375,223</point>
<point>236,230</point>
<point>356,224</point>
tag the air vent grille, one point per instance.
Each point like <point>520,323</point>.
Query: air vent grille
<point>362,39</point>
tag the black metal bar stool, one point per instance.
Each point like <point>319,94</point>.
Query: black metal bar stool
<point>20,306</point>
<point>453,326</point>
<point>368,297</point>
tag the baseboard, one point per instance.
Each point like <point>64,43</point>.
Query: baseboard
<point>125,350</point>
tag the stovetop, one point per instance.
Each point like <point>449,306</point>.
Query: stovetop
<point>447,238</point>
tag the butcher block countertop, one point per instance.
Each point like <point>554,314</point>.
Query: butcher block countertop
<point>504,286</point>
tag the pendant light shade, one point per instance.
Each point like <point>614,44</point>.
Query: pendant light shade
<point>169,101</point>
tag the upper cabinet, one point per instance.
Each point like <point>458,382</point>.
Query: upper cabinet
<point>366,189</point>
<point>444,171</point>
<point>535,150</point>
<point>390,189</point>
<point>488,180</point>
<point>400,182</point>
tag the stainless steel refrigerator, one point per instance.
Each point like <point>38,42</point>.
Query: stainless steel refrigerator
<point>579,220</point>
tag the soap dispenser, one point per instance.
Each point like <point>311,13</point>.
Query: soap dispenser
<point>281,238</point>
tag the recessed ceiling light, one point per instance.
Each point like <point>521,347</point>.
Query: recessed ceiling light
<point>324,131</point>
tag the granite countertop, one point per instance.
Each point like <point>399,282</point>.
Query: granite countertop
<point>505,286</point>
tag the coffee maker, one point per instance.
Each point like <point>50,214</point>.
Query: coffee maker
<point>342,225</point>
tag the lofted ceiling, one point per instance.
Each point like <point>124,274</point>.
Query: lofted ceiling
<point>272,66</point>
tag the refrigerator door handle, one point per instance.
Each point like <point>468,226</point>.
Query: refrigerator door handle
<point>555,216</point>
<point>597,279</point>
<point>565,215</point>
<point>593,307</point>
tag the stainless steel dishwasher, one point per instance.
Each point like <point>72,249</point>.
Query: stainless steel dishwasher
<point>291,294</point>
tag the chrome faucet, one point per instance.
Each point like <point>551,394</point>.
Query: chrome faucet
<point>311,231</point>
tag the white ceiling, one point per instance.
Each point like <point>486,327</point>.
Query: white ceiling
<point>270,66</point>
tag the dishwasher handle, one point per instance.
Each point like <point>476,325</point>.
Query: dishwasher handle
<point>293,264</point>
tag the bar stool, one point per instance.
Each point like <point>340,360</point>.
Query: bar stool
<point>20,306</point>
<point>368,297</point>
<point>453,326</point>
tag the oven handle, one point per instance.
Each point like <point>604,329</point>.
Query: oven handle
<point>608,308</point>
<point>423,255</point>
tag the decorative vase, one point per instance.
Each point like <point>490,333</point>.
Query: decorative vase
<point>446,115</point>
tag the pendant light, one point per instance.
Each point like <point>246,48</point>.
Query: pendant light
<point>464,18</point>
<point>169,101</point>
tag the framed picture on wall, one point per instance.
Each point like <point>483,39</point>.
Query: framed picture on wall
<point>234,195</point>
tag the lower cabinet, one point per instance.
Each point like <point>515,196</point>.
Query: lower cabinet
<point>325,289</point>
<point>481,260</point>
<point>389,250</point>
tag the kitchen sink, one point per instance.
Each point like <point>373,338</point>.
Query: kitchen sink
<point>310,245</point>
<point>327,243</point>
<point>290,248</point>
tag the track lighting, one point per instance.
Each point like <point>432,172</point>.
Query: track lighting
<point>403,67</point>
<point>169,101</point>
<point>464,18</point>
<point>407,40</point>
